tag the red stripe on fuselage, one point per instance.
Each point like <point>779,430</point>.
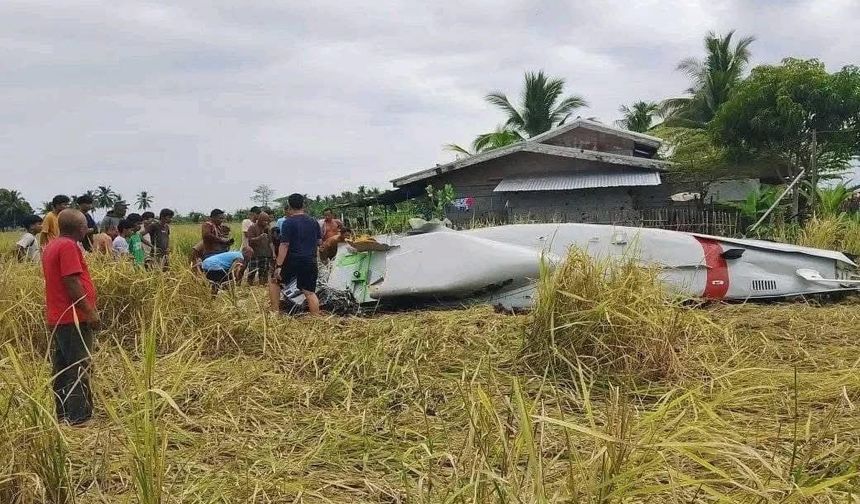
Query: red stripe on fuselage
<point>717,281</point>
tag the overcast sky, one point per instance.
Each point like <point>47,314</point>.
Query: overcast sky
<point>199,101</point>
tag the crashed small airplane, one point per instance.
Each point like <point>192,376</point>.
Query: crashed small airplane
<point>499,265</point>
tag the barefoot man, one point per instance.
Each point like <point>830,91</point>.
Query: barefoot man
<point>70,302</point>
<point>297,255</point>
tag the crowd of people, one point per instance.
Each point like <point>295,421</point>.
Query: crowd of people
<point>273,252</point>
<point>141,238</point>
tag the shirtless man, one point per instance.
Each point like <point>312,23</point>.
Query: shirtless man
<point>331,234</point>
<point>103,242</point>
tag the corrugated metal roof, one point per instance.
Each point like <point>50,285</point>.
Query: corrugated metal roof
<point>571,181</point>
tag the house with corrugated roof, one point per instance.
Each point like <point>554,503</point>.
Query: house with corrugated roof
<point>576,173</point>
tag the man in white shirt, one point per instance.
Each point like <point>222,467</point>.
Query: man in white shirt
<point>247,223</point>
<point>28,246</point>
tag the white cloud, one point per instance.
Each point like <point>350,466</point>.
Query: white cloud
<point>198,102</point>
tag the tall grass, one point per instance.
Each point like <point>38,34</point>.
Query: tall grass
<point>841,233</point>
<point>613,315</point>
<point>34,450</point>
<point>202,399</point>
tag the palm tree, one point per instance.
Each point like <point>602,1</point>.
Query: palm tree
<point>714,79</point>
<point>105,197</point>
<point>542,106</point>
<point>501,137</point>
<point>144,200</point>
<point>638,117</point>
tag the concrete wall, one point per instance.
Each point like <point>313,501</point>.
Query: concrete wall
<point>722,191</point>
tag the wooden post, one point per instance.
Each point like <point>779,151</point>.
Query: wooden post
<point>813,168</point>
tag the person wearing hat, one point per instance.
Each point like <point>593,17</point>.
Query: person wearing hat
<point>112,218</point>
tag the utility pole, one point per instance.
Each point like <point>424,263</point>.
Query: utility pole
<point>813,168</point>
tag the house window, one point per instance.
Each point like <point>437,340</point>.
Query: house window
<point>642,150</point>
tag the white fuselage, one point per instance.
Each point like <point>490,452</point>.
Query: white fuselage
<point>499,265</point>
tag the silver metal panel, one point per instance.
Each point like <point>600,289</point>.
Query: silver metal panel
<point>572,181</point>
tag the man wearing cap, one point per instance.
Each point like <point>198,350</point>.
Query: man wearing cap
<point>112,218</point>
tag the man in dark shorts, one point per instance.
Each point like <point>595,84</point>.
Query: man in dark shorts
<point>70,302</point>
<point>297,255</point>
<point>226,267</point>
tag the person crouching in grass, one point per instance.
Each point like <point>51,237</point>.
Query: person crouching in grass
<point>70,302</point>
<point>226,268</point>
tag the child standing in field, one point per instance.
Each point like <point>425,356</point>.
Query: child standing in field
<point>27,247</point>
<point>120,243</point>
<point>135,242</point>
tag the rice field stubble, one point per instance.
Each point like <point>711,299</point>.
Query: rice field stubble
<point>202,400</point>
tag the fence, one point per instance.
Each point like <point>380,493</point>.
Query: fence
<point>690,219</point>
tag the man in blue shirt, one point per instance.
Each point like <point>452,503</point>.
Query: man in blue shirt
<point>225,267</point>
<point>297,255</point>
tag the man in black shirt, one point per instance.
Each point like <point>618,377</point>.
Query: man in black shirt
<point>85,204</point>
<point>300,239</point>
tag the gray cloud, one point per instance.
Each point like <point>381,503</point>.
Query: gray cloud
<point>198,102</point>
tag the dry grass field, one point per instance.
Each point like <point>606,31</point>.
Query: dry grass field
<point>608,392</point>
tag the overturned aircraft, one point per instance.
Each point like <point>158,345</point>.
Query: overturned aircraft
<point>499,265</point>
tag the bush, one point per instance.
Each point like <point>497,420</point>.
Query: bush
<point>841,233</point>
<point>611,316</point>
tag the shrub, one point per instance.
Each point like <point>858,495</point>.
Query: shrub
<point>612,316</point>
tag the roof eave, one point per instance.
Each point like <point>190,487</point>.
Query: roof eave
<point>598,156</point>
<point>534,144</point>
<point>456,165</point>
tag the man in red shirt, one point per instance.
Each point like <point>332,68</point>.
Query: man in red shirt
<point>70,302</point>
